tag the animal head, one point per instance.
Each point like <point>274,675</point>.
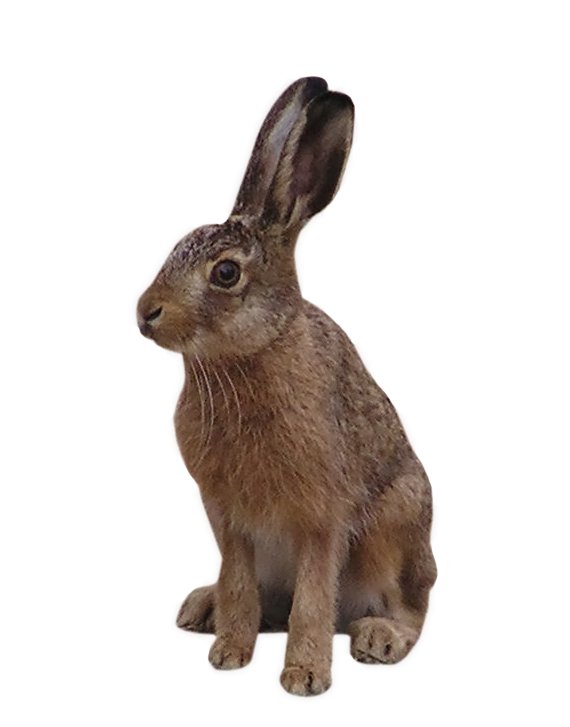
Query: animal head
<point>230,289</point>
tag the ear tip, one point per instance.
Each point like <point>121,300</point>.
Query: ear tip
<point>340,100</point>
<point>331,103</point>
<point>312,86</point>
<point>316,81</point>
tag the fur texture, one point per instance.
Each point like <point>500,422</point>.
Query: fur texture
<point>321,510</point>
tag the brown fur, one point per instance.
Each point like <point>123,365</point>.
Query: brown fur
<point>320,508</point>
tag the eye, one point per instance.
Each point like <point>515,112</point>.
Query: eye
<point>225,274</point>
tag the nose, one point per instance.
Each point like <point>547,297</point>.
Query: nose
<point>146,320</point>
<point>153,315</point>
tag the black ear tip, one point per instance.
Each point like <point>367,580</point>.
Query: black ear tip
<point>311,86</point>
<point>338,101</point>
<point>330,105</point>
<point>316,82</point>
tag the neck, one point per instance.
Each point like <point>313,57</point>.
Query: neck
<point>285,343</point>
<point>253,381</point>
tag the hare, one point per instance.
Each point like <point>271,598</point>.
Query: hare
<point>320,508</point>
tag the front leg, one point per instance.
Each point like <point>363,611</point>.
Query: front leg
<point>313,615</point>
<point>238,611</point>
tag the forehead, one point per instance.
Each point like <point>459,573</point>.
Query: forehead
<point>208,242</point>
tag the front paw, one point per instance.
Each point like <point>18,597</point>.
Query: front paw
<point>227,653</point>
<point>306,681</point>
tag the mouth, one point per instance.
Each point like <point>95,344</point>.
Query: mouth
<point>162,339</point>
<point>164,324</point>
<point>146,329</point>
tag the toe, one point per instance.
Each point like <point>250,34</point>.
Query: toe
<point>380,641</point>
<point>305,681</point>
<point>226,654</point>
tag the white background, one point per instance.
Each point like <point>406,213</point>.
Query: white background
<point>444,256</point>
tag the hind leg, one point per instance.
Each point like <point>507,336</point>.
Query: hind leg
<point>388,638</point>
<point>391,573</point>
<point>379,640</point>
<point>197,612</point>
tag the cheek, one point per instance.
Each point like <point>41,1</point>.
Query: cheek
<point>218,311</point>
<point>249,325</point>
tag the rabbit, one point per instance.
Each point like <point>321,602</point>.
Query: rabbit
<point>320,508</point>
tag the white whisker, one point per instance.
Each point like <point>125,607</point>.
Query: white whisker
<point>236,397</point>
<point>226,403</point>
<point>202,403</point>
<point>212,413</point>
<point>247,381</point>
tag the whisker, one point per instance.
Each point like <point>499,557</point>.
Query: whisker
<point>202,403</point>
<point>245,378</point>
<point>236,397</point>
<point>212,413</point>
<point>226,402</point>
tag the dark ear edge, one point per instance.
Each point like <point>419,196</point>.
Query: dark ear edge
<point>312,161</point>
<point>271,138</point>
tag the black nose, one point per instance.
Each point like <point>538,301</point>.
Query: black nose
<point>153,315</point>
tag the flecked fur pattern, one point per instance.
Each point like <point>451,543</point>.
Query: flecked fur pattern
<point>320,508</point>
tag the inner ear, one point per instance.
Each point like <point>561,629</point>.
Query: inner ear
<point>318,164</point>
<point>312,161</point>
<point>270,141</point>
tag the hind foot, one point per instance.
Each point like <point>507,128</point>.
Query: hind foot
<point>375,640</point>
<point>197,611</point>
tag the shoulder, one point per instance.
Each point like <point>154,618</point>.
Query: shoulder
<point>326,335</point>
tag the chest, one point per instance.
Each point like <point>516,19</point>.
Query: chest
<point>263,456</point>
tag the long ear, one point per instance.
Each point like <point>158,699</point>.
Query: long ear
<point>269,143</point>
<point>312,161</point>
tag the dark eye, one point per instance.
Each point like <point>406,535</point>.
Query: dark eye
<point>225,274</point>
